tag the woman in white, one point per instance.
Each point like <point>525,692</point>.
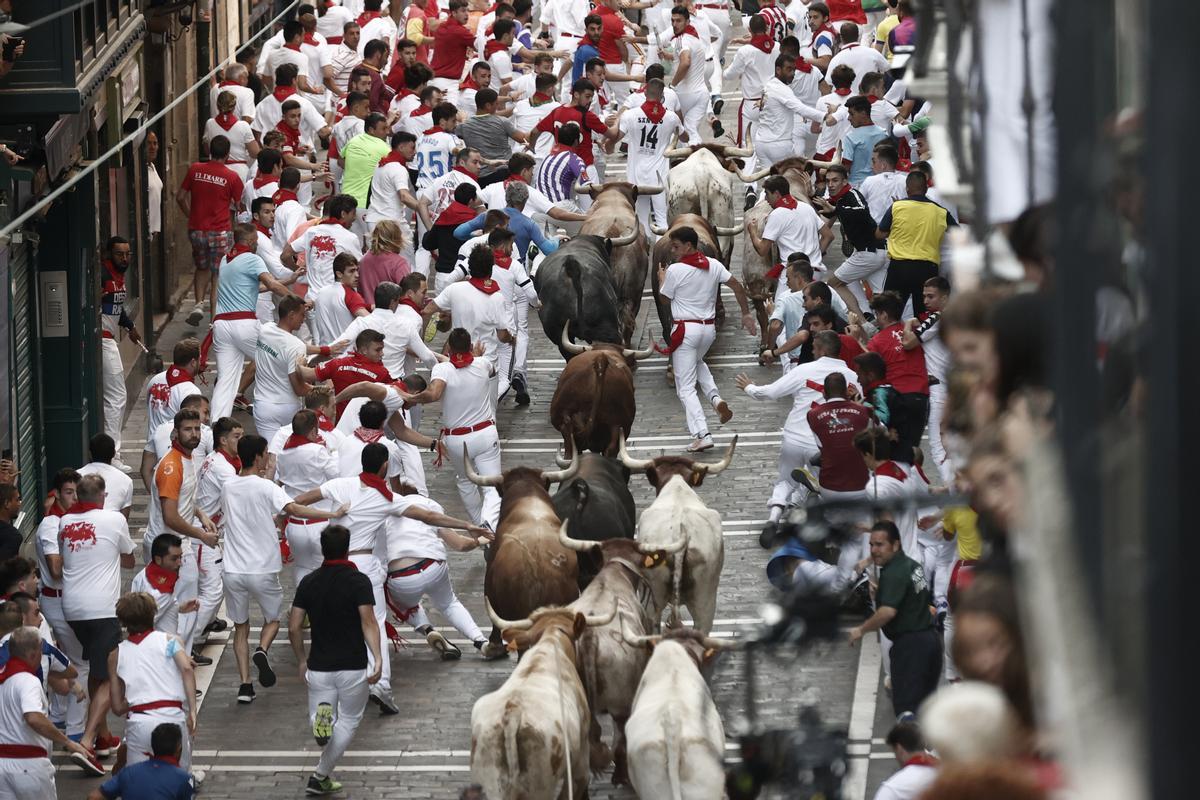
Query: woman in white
<point>243,147</point>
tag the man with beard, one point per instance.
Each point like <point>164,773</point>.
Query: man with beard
<point>112,319</point>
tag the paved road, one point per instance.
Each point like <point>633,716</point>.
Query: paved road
<point>266,750</point>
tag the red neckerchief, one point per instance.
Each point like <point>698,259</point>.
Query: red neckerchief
<point>311,39</point>
<point>291,46</point>
<point>460,360</point>
<point>654,111</point>
<point>283,195</point>
<point>56,510</point>
<point>16,666</point>
<point>511,179</point>
<point>433,130</point>
<point>81,507</point>
<point>236,251</point>
<point>826,28</point>
<point>177,375</point>
<point>227,120</point>
<point>234,461</point>
<point>368,435</point>
<point>182,452</point>
<point>802,64</point>
<point>493,46</point>
<point>423,109</point>
<point>331,221</point>
<point>456,214</point>
<point>394,157</point>
<point>469,83</point>
<point>161,578</point>
<point>296,440</point>
<point>377,483</point>
<point>501,259</point>
<point>339,562</point>
<point>473,176</point>
<point>366,17</point>
<point>264,231</point>
<point>696,259</point>
<point>137,638</point>
<point>845,190</point>
<point>842,92</point>
<point>116,280</point>
<point>921,760</point>
<point>223,84</point>
<point>891,469</point>
<point>406,93</point>
<point>485,285</point>
<point>291,136</point>
<point>764,42</point>
<point>686,31</point>
<point>541,97</point>
<point>774,272</point>
<point>872,99</point>
<point>263,178</point>
<point>407,301</point>
<point>282,93</point>
<point>324,423</point>
<point>785,201</point>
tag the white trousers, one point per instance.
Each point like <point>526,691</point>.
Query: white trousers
<point>189,589</point>
<point>265,308</point>
<point>483,448</point>
<point>769,153</point>
<point>369,565</point>
<point>863,265</point>
<point>449,86</point>
<point>792,454</point>
<point>234,342</point>
<point>114,389</point>
<point>690,369</point>
<point>68,708</point>
<point>211,585</point>
<point>270,416</point>
<point>504,365</point>
<point>720,18</point>
<point>139,727</point>
<point>693,106</point>
<point>937,449</point>
<point>521,350</point>
<point>27,779</point>
<point>347,692</point>
<point>405,593</point>
<point>305,544</point>
<point>652,207</point>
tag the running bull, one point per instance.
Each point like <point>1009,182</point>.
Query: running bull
<point>593,401</point>
<point>703,184</point>
<point>576,288</point>
<point>598,505</point>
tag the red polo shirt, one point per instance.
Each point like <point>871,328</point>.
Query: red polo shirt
<point>349,370</point>
<point>587,122</point>
<point>214,189</point>
<point>613,29</point>
<point>834,423</point>
<point>450,43</point>
<point>905,368</point>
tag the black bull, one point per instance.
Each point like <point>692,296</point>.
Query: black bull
<point>598,505</point>
<point>575,286</point>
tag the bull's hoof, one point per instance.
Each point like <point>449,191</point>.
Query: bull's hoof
<point>493,651</point>
<point>670,376</point>
<point>599,757</point>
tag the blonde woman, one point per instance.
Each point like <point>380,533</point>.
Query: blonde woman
<point>384,262</point>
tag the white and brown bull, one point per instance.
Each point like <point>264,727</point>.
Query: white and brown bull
<point>610,668</point>
<point>703,183</point>
<point>674,735</point>
<point>612,215</point>
<point>529,738</point>
<point>678,512</point>
<point>527,568</point>
<point>593,401</point>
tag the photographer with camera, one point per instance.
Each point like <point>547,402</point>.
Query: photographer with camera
<point>11,48</point>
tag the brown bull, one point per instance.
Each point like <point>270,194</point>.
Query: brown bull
<point>593,401</point>
<point>527,567</point>
<point>613,215</point>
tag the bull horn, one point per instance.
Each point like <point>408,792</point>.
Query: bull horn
<point>628,239</point>
<point>632,639</point>
<point>586,188</point>
<point>717,468</point>
<point>594,620</point>
<point>504,624</point>
<point>578,545</point>
<point>638,355</point>
<point>560,475</point>
<point>570,346</point>
<point>739,152</point>
<point>477,479</point>
<point>718,644</point>
<point>646,191</point>
<point>669,549</point>
<point>734,231</point>
<point>563,463</point>
<point>678,152</point>
<point>630,461</point>
<point>822,164</point>
<point>754,176</point>
<point>657,231</point>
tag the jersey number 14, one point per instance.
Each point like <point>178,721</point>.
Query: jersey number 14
<point>650,137</point>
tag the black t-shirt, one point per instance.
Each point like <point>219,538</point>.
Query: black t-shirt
<point>331,595</point>
<point>10,541</point>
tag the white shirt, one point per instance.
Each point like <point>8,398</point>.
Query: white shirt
<point>647,141</point>
<point>343,60</point>
<point>332,439</point>
<point>493,196</point>
<point>777,117</point>
<point>694,81</point>
<point>20,695</point>
<point>332,24</point>
<point>239,135</point>
<point>249,505</point>
<point>478,313</point>
<point>289,215</point>
<point>185,502</point>
<point>349,457</point>
<point>402,342</point>
<point>860,59</point>
<point>330,314</point>
<point>245,99</point>
<point>435,155</point>
<point>937,355</point>
<point>882,486</point>
<point>832,134</point>
<point>166,615</point>
<point>163,400</point>
<point>807,87</point>
<point>467,400</point>
<point>805,382</point>
<point>306,466</point>
<point>382,27</point>
<point>693,291</point>
<point>91,545</point>
<point>795,230</point>
<point>214,471</point>
<point>411,538</point>
<point>117,485</point>
<point>386,184</point>
<point>47,545</point>
<point>754,67</point>
<point>275,360</point>
<point>881,190</point>
<point>369,510</point>
<point>149,671</point>
<point>349,420</point>
<point>164,434</point>
<point>321,244</point>
<point>269,112</point>
<point>525,118</point>
<point>670,99</point>
<point>286,55</point>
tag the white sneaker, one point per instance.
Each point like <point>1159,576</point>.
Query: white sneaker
<point>700,444</point>
<point>121,465</point>
<point>193,319</point>
<point>197,777</point>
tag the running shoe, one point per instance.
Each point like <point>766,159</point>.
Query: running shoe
<point>245,693</point>
<point>193,319</point>
<point>200,660</point>
<point>107,745</point>
<point>89,763</point>
<point>442,645</point>
<point>802,476</point>
<point>216,626</point>
<point>317,785</point>
<point>266,675</point>
<point>700,444</point>
<point>725,411</point>
<point>718,104</point>
<point>387,706</point>
<point>242,403</point>
<point>323,724</point>
<point>521,388</point>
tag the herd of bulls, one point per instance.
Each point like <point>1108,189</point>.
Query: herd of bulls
<point>577,583</point>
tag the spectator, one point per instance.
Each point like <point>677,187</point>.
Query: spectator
<point>160,778</point>
<point>11,48</point>
<point>917,768</point>
<point>10,508</point>
<point>383,262</point>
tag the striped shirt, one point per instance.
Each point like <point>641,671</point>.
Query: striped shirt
<point>557,177</point>
<point>776,19</point>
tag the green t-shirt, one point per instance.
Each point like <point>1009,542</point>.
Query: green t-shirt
<point>902,586</point>
<point>362,155</point>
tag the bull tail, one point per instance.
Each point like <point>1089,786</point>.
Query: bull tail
<point>571,267</point>
<point>676,581</point>
<point>600,367</point>
<point>672,730</point>
<point>512,756</point>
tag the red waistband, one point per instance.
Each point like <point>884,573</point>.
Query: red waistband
<point>487,423</point>
<point>231,315</point>
<point>106,335</point>
<point>414,569</point>
<point>297,521</point>
<point>22,751</point>
<point>699,321</point>
<point>142,708</point>
<point>51,592</point>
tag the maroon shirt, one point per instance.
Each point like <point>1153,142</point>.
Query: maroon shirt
<point>905,368</point>
<point>834,423</point>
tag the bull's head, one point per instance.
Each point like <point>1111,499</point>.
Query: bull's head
<point>575,349</point>
<point>498,481</point>
<point>659,470</point>
<point>525,633</point>
<point>649,556</point>
<point>703,649</point>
